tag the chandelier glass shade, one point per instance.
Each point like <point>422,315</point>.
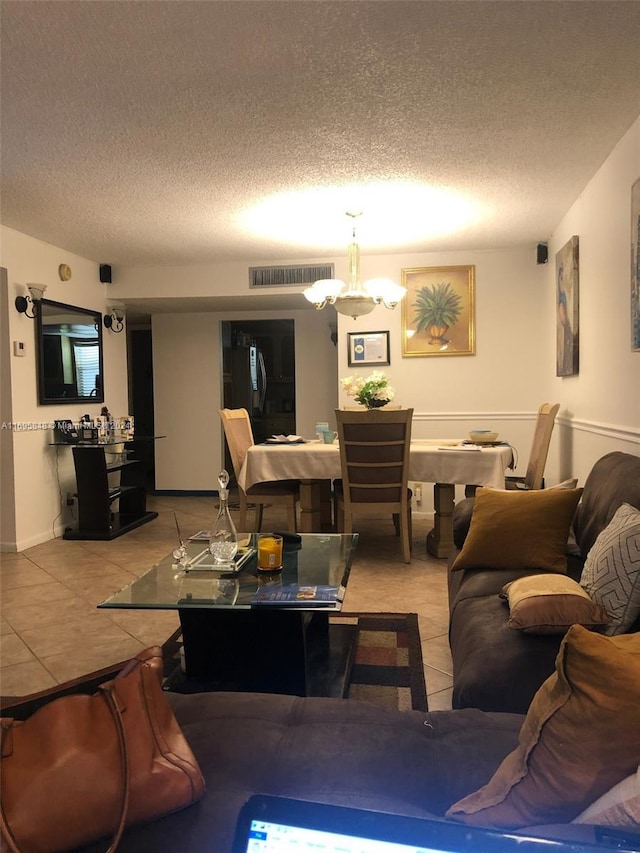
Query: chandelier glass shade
<point>354,299</point>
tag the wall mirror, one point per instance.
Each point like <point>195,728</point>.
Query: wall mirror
<point>69,347</point>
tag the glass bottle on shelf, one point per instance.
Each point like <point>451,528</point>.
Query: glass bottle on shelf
<point>223,539</point>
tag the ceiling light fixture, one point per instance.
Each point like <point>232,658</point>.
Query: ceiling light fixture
<point>114,320</point>
<point>22,303</point>
<point>354,299</point>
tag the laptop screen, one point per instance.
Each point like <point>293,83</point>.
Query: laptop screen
<point>266,837</point>
<point>282,825</point>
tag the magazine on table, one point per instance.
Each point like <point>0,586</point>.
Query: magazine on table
<point>297,595</point>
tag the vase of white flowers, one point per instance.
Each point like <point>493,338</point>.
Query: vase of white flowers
<point>372,392</point>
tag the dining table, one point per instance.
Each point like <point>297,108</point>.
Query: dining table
<point>443,462</point>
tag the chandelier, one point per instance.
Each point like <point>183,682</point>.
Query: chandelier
<point>354,299</point>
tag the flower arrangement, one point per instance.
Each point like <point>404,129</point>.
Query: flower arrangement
<point>372,392</point>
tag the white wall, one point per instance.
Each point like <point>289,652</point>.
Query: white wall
<point>35,475</point>
<point>601,405</point>
<point>503,377</point>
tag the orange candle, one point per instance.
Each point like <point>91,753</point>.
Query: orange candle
<point>269,552</point>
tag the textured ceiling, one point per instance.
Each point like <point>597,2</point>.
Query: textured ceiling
<point>145,132</point>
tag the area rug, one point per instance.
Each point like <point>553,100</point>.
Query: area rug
<point>387,669</point>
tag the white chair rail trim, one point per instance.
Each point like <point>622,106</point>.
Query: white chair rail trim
<point>620,432</point>
<point>475,416</point>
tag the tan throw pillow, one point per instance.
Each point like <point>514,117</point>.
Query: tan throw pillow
<point>550,604</point>
<point>611,572</point>
<point>580,737</point>
<point>519,530</point>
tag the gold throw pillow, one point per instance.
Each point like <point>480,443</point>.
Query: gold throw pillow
<point>580,737</point>
<point>519,530</point>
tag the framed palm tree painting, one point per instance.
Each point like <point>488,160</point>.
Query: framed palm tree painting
<point>438,311</point>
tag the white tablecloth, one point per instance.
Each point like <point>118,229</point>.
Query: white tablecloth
<point>430,462</point>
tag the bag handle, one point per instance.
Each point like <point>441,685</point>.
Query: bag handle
<point>107,692</point>
<point>116,713</point>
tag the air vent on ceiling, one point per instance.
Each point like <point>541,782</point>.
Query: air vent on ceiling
<point>287,276</point>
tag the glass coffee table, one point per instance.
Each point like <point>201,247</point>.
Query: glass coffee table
<point>257,631</point>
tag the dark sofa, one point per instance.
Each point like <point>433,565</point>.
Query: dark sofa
<point>326,750</point>
<point>336,751</point>
<point>496,668</point>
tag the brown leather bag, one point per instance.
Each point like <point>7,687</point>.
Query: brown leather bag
<point>85,767</point>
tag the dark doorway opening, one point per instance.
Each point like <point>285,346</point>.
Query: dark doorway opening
<point>259,375</point>
<point>141,396</point>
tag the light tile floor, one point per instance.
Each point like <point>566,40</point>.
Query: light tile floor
<point>51,631</point>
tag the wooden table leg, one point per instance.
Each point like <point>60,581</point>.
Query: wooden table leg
<point>315,506</point>
<point>440,539</point>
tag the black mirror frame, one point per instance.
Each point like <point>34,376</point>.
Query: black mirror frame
<point>43,398</point>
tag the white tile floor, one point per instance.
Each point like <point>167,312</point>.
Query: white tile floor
<point>50,629</point>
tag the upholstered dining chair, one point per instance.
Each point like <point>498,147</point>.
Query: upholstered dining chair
<point>239,436</point>
<point>374,459</point>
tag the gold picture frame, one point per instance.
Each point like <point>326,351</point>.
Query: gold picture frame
<point>438,311</point>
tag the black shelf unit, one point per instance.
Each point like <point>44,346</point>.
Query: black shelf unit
<point>96,517</point>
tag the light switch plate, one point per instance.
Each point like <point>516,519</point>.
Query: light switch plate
<point>19,348</point>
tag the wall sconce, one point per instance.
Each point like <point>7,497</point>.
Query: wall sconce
<point>22,303</point>
<point>114,320</point>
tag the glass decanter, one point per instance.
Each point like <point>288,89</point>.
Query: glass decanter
<point>223,539</point>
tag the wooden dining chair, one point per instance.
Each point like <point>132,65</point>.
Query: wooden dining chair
<point>534,478</point>
<point>374,459</point>
<point>239,436</point>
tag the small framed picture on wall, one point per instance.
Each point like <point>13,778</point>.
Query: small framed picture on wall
<point>368,349</point>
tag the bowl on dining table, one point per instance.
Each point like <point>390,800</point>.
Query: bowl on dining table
<point>483,436</point>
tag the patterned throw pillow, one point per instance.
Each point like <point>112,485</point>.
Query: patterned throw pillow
<point>620,806</point>
<point>611,573</point>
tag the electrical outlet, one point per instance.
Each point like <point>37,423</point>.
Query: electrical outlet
<point>70,499</point>
<point>417,492</point>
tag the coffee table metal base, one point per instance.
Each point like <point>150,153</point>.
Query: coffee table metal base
<point>266,651</point>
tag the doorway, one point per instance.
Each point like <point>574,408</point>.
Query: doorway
<point>259,375</point>
<point>141,397</point>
